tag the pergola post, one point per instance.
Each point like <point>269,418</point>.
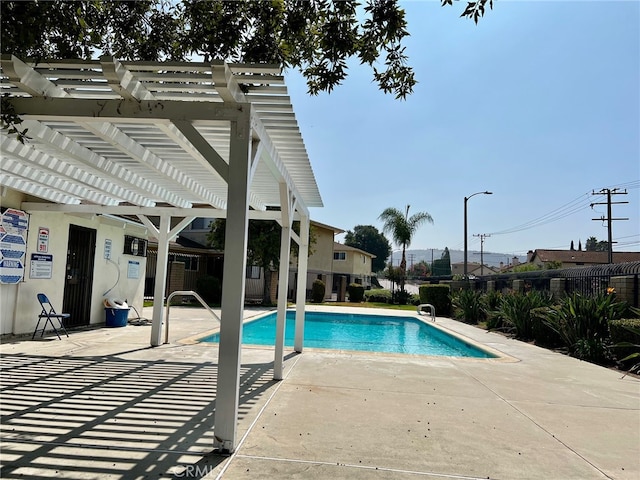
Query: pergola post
<point>283,279</point>
<point>301,288</point>
<point>161,280</point>
<point>233,286</point>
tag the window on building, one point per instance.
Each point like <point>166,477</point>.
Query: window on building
<point>191,264</point>
<point>200,224</point>
<point>253,271</point>
<point>339,255</point>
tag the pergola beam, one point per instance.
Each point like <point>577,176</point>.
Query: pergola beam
<point>114,110</point>
<point>205,212</point>
<point>188,131</point>
<point>28,79</point>
<point>226,84</point>
<point>121,141</point>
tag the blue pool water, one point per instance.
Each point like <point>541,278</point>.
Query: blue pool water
<point>372,333</point>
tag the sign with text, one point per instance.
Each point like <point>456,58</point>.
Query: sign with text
<point>13,245</point>
<point>41,266</point>
<point>43,240</point>
<point>133,271</point>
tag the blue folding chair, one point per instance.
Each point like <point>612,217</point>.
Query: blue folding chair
<point>48,314</point>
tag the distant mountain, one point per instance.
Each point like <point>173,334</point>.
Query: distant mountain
<point>457,256</point>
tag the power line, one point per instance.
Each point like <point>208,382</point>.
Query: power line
<point>570,208</point>
<point>574,206</point>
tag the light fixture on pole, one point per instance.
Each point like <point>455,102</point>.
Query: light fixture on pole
<point>466,199</point>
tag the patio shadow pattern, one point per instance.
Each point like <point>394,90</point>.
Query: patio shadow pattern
<point>105,417</point>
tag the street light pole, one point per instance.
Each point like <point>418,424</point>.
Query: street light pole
<point>466,199</point>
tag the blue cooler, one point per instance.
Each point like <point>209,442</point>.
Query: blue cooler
<point>116,313</point>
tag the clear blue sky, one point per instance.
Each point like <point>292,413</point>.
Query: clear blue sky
<point>539,103</point>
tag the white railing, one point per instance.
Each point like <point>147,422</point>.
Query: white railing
<point>184,292</point>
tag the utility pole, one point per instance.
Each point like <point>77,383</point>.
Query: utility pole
<point>482,237</point>
<point>609,218</point>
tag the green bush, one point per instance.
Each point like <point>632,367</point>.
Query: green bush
<point>378,296</point>
<point>402,297</point>
<point>318,290</point>
<point>625,337</point>
<point>210,289</point>
<point>468,306</point>
<point>490,302</point>
<point>438,296</point>
<point>583,324</point>
<point>515,311</point>
<point>356,292</point>
<point>415,299</point>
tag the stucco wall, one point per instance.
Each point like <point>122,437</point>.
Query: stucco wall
<point>322,256</point>
<point>353,264</point>
<point>20,307</point>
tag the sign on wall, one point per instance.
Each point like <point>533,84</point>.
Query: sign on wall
<point>41,266</point>
<point>13,245</point>
<point>43,240</point>
<point>133,270</point>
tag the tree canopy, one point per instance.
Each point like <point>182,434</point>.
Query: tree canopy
<point>593,245</point>
<point>263,246</point>
<point>442,266</point>
<point>402,227</point>
<point>370,240</point>
<point>317,37</point>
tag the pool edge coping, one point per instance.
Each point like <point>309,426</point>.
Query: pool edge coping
<point>499,356</point>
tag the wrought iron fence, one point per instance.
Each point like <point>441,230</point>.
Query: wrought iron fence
<point>588,280</point>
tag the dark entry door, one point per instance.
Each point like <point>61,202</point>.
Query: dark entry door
<point>79,275</point>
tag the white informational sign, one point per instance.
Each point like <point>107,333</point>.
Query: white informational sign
<point>13,245</point>
<point>107,248</point>
<point>133,270</point>
<point>41,266</point>
<point>43,240</point>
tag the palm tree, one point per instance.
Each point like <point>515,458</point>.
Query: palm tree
<point>401,227</point>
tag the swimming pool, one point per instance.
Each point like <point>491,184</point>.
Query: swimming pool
<point>372,333</point>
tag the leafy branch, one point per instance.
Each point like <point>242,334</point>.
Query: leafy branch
<point>10,120</point>
<point>474,10</point>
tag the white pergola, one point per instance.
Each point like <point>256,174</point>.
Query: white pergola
<point>169,142</point>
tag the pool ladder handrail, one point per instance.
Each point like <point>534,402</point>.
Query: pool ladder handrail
<point>431,310</point>
<point>184,293</point>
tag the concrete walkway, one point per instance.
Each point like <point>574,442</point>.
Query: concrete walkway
<point>102,404</point>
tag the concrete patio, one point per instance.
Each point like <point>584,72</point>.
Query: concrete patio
<point>102,404</point>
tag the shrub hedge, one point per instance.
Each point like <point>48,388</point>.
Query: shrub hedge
<point>438,296</point>
<point>318,289</point>
<point>619,330</point>
<point>210,289</point>
<point>378,295</point>
<point>356,292</point>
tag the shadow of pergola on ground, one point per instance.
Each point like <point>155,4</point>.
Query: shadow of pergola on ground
<point>105,417</point>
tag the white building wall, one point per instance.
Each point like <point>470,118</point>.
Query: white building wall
<point>19,306</point>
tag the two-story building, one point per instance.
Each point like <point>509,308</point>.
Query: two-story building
<point>329,261</point>
<point>319,264</point>
<point>352,263</point>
